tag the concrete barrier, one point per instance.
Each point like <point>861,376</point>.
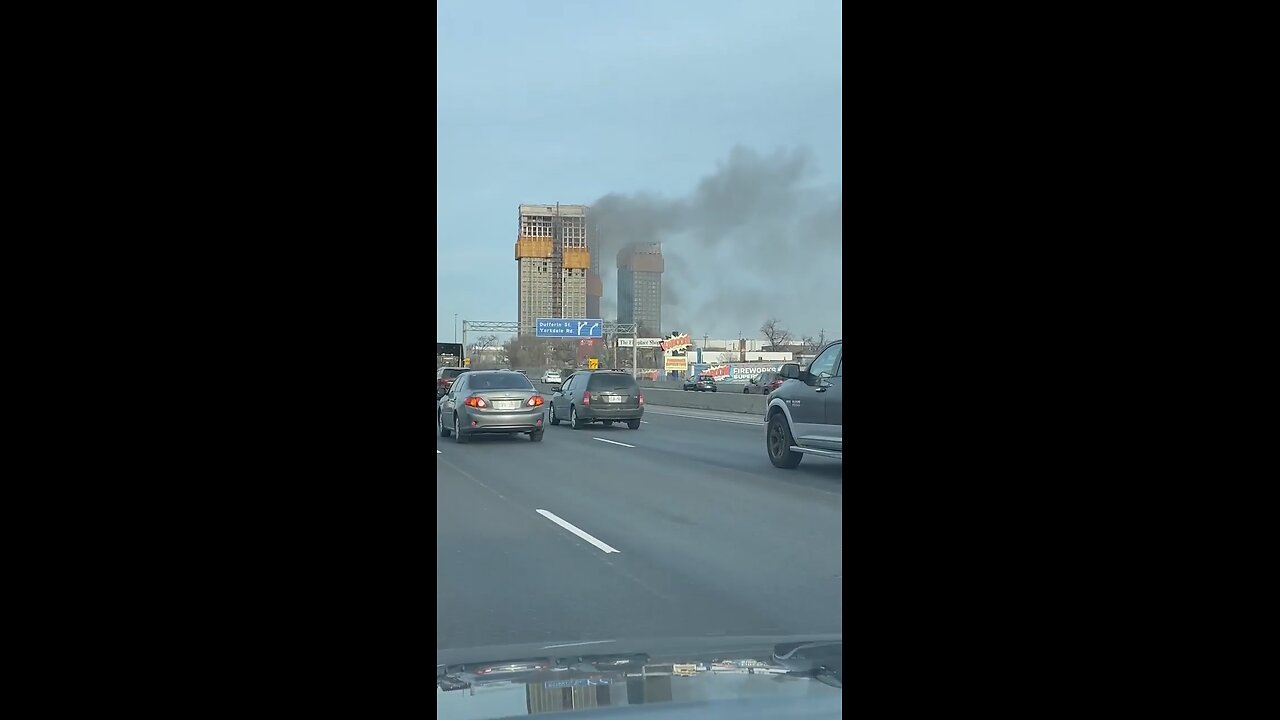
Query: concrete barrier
<point>722,401</point>
<point>668,394</point>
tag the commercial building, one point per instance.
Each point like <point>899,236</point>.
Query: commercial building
<point>552,261</point>
<point>640,269</point>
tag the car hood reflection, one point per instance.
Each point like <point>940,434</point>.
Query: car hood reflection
<point>529,680</point>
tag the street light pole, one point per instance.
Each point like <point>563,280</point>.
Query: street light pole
<point>455,327</point>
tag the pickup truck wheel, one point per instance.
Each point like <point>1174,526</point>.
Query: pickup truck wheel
<point>779,442</point>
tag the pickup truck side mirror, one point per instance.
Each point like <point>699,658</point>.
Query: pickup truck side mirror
<point>791,371</point>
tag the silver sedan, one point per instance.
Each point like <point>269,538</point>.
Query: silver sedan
<point>491,401</point>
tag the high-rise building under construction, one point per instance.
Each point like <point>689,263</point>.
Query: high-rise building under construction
<point>640,269</point>
<point>552,260</point>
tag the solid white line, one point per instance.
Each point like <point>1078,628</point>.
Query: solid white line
<point>589,642</point>
<point>700,417</point>
<point>568,526</point>
<point>612,442</point>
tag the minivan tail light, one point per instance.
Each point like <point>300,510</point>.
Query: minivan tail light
<point>641,398</point>
<point>586,397</point>
<point>534,401</point>
<point>475,401</point>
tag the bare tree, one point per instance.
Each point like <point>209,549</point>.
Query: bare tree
<point>812,344</point>
<point>775,333</point>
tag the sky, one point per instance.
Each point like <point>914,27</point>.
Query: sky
<point>721,118</point>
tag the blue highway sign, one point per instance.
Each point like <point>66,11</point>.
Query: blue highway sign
<point>569,327</point>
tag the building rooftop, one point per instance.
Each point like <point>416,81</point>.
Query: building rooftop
<point>565,210</point>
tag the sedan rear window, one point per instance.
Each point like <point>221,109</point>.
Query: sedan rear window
<point>504,381</point>
<point>451,373</point>
<point>612,381</point>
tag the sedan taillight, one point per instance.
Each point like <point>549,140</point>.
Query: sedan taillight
<point>475,401</point>
<point>534,401</point>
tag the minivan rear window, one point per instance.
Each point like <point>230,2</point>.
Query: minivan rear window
<point>612,381</point>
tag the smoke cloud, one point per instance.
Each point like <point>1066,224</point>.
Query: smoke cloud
<point>753,240</point>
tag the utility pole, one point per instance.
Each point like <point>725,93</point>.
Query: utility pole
<point>455,327</point>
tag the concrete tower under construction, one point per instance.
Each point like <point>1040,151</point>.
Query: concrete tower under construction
<point>640,269</point>
<point>552,261</point>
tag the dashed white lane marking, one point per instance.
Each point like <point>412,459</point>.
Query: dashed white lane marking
<point>646,422</point>
<point>612,442</point>
<point>589,642</point>
<point>437,452</point>
<point>700,417</point>
<point>569,526</point>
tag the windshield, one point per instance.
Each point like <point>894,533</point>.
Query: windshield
<point>639,205</point>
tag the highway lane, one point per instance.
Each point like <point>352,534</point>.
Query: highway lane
<point>684,528</point>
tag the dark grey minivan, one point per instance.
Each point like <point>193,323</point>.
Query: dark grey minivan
<point>603,396</point>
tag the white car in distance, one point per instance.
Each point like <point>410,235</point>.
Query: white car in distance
<point>551,377</point>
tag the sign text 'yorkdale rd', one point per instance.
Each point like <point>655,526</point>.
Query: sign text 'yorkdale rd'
<point>569,327</point>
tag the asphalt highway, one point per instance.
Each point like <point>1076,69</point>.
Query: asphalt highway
<point>680,528</point>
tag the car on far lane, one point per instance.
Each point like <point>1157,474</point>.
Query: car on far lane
<point>491,401</point>
<point>551,377</point>
<point>445,377</point>
<point>702,383</point>
<point>805,415</point>
<point>764,383</point>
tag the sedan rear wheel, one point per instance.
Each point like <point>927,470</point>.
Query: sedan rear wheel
<point>458,437</point>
